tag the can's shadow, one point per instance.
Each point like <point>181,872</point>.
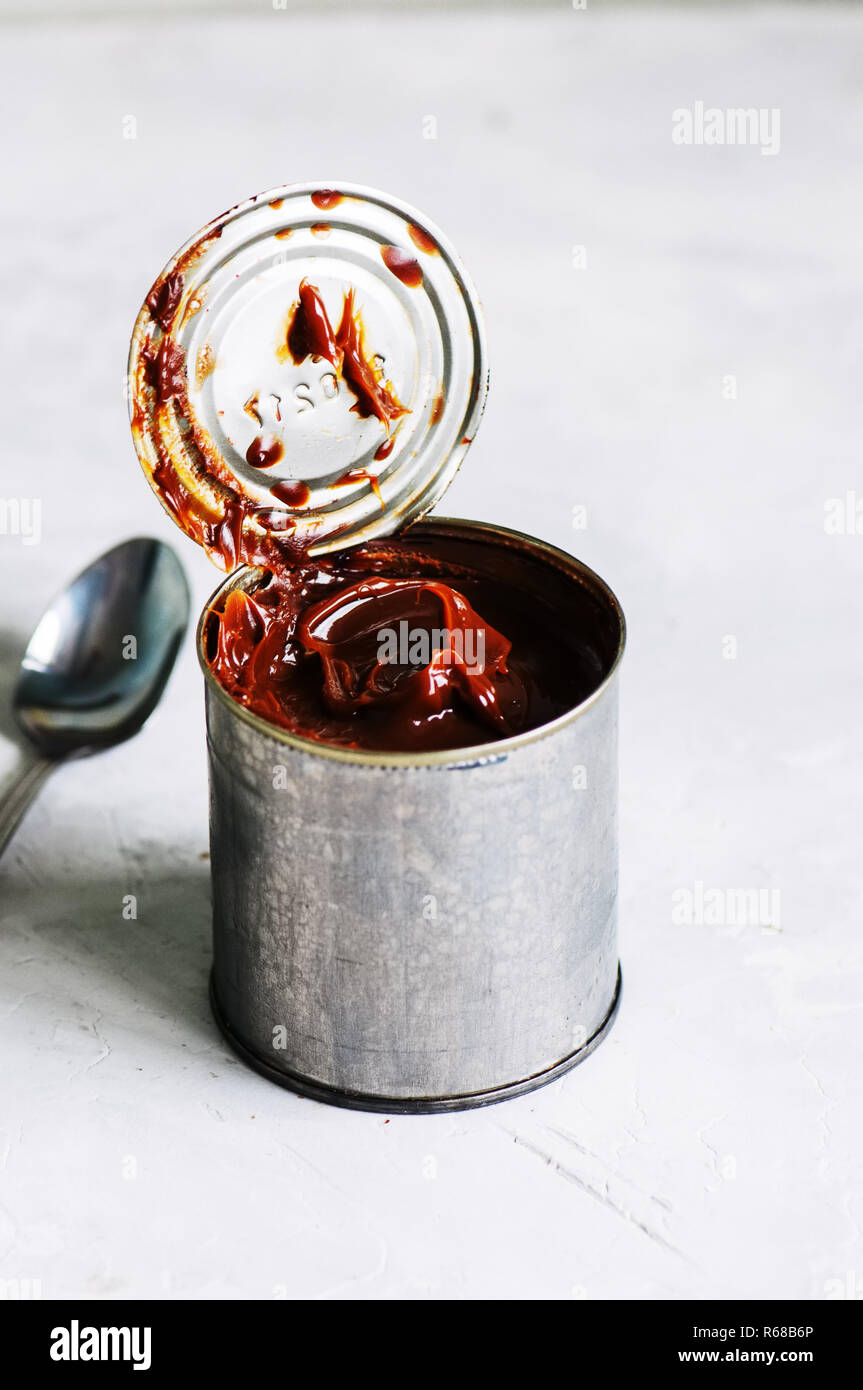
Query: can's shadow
<point>136,948</point>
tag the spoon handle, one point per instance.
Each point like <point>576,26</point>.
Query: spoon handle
<point>25,783</point>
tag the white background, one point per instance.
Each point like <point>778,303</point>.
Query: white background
<point>711,1146</point>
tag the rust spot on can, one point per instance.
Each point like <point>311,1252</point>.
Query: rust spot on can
<point>204,365</point>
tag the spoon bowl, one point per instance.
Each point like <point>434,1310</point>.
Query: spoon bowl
<point>97,662</point>
<point>101,654</point>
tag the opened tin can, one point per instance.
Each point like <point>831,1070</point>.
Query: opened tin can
<point>393,931</point>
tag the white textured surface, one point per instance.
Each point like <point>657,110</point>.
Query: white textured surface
<point>711,1147</point>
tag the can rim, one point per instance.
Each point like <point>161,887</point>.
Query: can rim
<point>479,753</point>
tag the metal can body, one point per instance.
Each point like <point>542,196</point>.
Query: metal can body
<point>418,932</point>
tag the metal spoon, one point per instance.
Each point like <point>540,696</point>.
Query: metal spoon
<point>97,663</point>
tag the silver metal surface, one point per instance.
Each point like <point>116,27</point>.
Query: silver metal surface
<point>400,931</point>
<point>21,790</point>
<point>235,284</point>
<point>97,662</point>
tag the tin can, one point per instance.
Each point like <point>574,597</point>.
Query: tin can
<point>412,933</point>
<point>392,931</point>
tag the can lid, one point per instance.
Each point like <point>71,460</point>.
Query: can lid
<point>310,366</point>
